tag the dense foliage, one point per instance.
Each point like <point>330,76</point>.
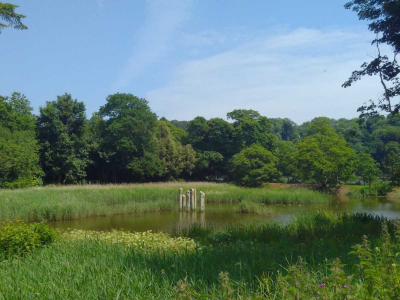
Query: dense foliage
<point>126,142</point>
<point>19,238</point>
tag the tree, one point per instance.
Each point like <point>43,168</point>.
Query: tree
<point>174,157</point>
<point>392,162</point>
<point>62,135</point>
<point>210,166</point>
<point>367,168</point>
<point>251,128</point>
<point>323,156</point>
<point>254,166</point>
<point>7,14</point>
<point>285,129</point>
<point>16,113</point>
<point>178,133</point>
<point>392,165</point>
<point>19,157</point>
<point>384,21</point>
<point>128,143</point>
<point>284,153</point>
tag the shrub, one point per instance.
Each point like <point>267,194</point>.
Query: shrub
<point>19,238</point>
<point>376,189</point>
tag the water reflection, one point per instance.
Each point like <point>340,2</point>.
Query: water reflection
<point>219,215</point>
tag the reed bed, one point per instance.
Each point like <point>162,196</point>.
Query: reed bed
<point>82,201</point>
<point>238,262</point>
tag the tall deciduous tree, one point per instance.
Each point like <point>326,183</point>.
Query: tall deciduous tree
<point>367,168</point>
<point>175,158</point>
<point>19,157</point>
<point>61,129</point>
<point>323,157</point>
<point>254,166</point>
<point>8,15</point>
<point>251,128</point>
<point>128,144</point>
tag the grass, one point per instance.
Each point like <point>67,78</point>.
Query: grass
<point>77,202</point>
<point>238,262</point>
<point>251,207</point>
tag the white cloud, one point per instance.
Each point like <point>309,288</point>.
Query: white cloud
<point>163,18</point>
<point>296,74</point>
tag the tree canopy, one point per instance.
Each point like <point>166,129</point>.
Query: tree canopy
<point>12,19</point>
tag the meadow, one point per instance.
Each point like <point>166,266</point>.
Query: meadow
<point>77,202</point>
<point>237,262</point>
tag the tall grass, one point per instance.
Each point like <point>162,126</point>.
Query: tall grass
<point>234,263</point>
<point>76,202</point>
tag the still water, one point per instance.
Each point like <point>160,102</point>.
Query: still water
<point>220,215</point>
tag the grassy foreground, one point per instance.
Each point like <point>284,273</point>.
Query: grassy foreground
<point>239,262</point>
<point>76,202</point>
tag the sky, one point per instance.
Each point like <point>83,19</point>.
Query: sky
<point>188,58</point>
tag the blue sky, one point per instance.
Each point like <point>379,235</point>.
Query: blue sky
<point>191,57</point>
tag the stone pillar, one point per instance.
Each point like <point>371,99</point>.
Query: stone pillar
<point>180,199</point>
<point>188,200</point>
<point>183,201</point>
<point>195,198</point>
<point>202,201</point>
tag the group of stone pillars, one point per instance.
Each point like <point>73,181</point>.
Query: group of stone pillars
<point>189,201</point>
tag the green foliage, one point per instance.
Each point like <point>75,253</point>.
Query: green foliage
<point>284,152</point>
<point>19,157</point>
<point>323,156</point>
<point>252,207</point>
<point>392,165</point>
<point>209,165</point>
<point>286,129</point>
<point>19,238</point>
<point>175,158</point>
<point>7,14</point>
<point>376,189</point>
<point>16,113</point>
<point>252,128</point>
<point>61,131</point>
<point>254,166</point>
<point>126,136</point>
<point>124,142</point>
<point>367,168</point>
<point>179,134</point>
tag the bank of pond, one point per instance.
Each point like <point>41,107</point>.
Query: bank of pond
<point>133,242</point>
<point>316,256</point>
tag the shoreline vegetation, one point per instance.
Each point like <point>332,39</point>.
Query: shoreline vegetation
<point>319,256</point>
<point>78,202</point>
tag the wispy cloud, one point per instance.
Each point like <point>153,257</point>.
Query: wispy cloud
<point>296,74</point>
<point>163,18</point>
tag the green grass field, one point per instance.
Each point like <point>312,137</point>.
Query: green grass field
<point>76,202</point>
<point>238,262</point>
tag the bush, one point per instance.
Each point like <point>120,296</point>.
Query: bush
<point>376,189</point>
<point>19,238</point>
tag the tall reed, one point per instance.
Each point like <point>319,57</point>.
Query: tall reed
<point>76,202</point>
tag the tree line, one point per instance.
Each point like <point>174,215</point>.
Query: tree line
<point>126,142</point>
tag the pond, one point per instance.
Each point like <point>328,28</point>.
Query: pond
<point>220,215</point>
